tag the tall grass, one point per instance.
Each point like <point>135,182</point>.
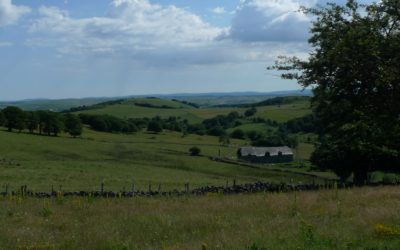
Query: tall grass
<point>369,218</point>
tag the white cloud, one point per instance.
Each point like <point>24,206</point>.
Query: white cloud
<point>151,34</point>
<point>9,13</point>
<point>218,10</point>
<point>273,20</point>
<point>131,24</point>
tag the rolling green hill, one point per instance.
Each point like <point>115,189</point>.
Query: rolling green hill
<point>130,109</point>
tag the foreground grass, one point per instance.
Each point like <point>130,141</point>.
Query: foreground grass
<point>365,218</point>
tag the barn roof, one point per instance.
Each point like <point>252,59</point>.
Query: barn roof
<point>261,151</point>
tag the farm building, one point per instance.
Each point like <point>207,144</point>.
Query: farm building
<point>265,154</point>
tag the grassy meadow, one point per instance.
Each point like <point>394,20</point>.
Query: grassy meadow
<point>360,218</point>
<point>119,160</point>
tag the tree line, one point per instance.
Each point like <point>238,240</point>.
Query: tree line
<point>41,122</point>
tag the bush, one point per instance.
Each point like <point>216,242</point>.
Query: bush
<point>154,126</point>
<point>238,134</point>
<point>390,179</point>
<point>250,112</point>
<point>194,151</point>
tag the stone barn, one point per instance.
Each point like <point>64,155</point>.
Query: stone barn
<point>265,154</point>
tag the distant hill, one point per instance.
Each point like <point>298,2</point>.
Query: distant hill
<point>148,102</point>
<point>55,105</point>
<point>280,100</point>
<point>151,107</point>
<point>200,99</point>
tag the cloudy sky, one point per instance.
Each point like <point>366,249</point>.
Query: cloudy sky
<point>82,48</point>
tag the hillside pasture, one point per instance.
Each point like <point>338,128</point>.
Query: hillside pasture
<point>128,109</point>
<point>119,160</point>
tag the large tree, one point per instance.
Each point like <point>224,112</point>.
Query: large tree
<point>14,118</point>
<point>354,70</point>
<point>73,125</point>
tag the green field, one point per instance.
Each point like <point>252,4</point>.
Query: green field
<point>366,218</point>
<point>119,160</point>
<point>128,109</point>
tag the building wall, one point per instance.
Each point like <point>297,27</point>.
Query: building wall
<point>270,159</point>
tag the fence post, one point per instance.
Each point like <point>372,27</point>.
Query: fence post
<point>102,188</point>
<point>150,188</point>
<point>159,188</point>
<point>133,188</point>
<point>234,183</point>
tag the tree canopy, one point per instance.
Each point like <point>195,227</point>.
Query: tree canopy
<point>354,70</point>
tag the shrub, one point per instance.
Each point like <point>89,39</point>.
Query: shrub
<point>194,151</point>
<point>390,179</point>
<point>238,134</point>
<point>250,112</point>
<point>154,126</point>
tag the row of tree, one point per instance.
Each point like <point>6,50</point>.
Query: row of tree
<point>42,122</point>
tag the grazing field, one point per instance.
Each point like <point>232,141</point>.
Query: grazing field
<point>283,113</point>
<point>360,218</point>
<point>119,160</point>
<point>128,109</point>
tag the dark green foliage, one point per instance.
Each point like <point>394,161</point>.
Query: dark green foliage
<point>306,124</point>
<point>53,123</point>
<point>275,140</point>
<point>47,122</point>
<point>216,131</point>
<point>73,125</point>
<point>250,112</point>
<point>281,100</point>
<point>216,126</point>
<point>354,69</point>
<point>194,151</point>
<point>253,135</point>
<point>32,121</point>
<point>155,126</point>
<point>2,118</point>
<point>14,118</point>
<point>238,134</point>
<point>199,129</point>
<point>95,106</point>
<point>107,123</point>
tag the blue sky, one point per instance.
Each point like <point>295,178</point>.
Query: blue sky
<point>86,48</point>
